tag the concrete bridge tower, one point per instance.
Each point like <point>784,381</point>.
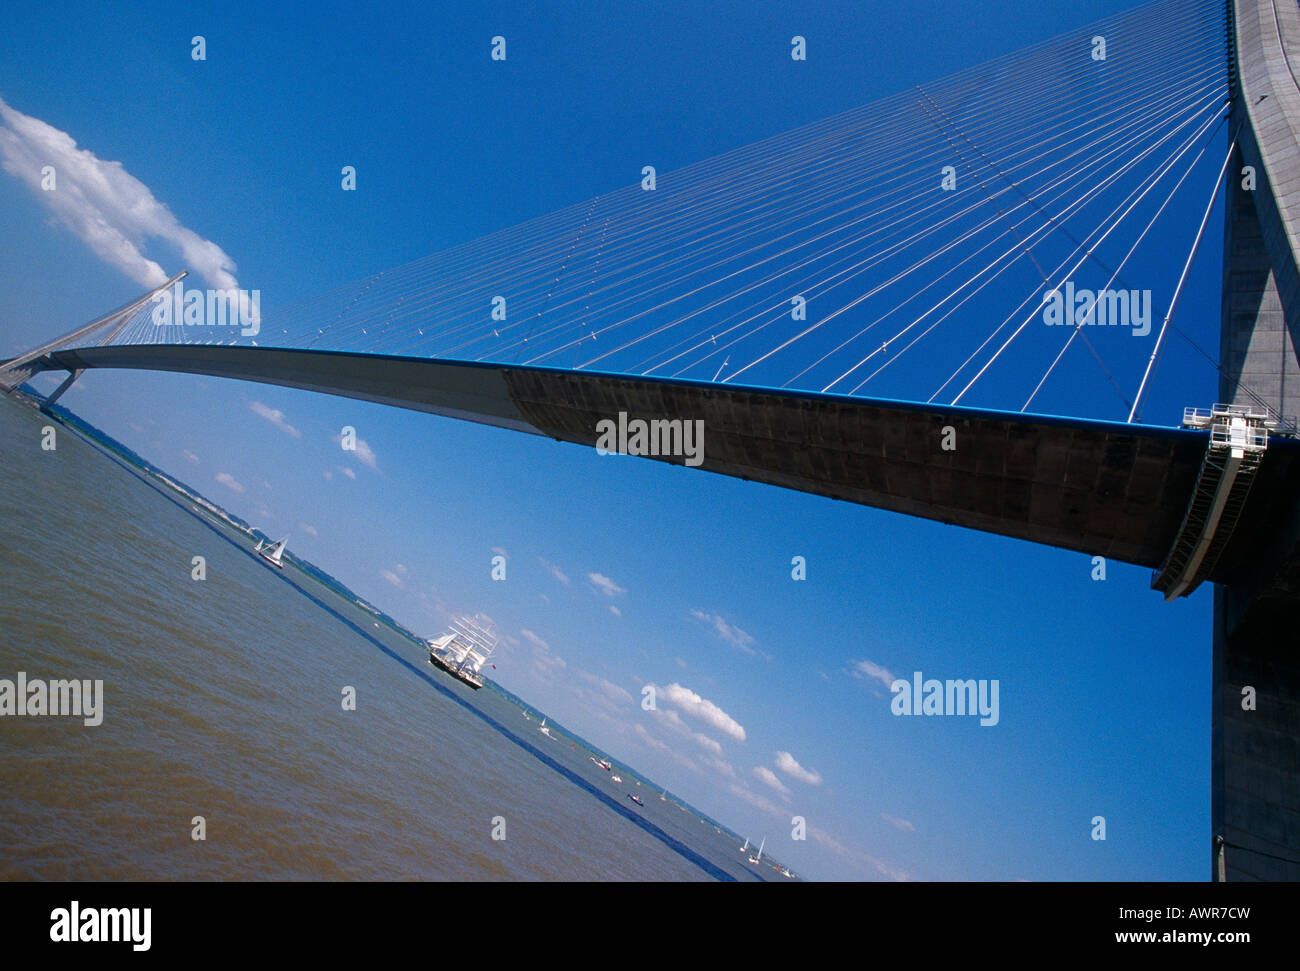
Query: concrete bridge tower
<point>1256,750</point>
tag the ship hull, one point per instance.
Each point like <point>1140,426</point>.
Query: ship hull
<point>461,676</point>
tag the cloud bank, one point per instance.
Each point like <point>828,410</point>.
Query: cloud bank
<point>103,205</point>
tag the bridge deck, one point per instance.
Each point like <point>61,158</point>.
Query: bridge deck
<point>1107,489</point>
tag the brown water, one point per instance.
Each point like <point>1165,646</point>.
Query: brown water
<point>221,699</point>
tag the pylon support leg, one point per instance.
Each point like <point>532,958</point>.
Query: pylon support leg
<point>67,383</point>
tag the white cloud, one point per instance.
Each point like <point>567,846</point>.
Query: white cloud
<point>897,823</point>
<point>707,743</point>
<point>499,551</point>
<point>604,584</point>
<point>228,480</point>
<point>391,577</point>
<point>722,767</point>
<point>656,744</point>
<point>857,856</point>
<point>612,691</point>
<point>308,529</point>
<point>703,710</point>
<point>547,665</point>
<point>106,207</point>
<point>615,611</point>
<point>346,470</point>
<point>787,764</point>
<point>673,721</point>
<point>363,452</point>
<point>190,457</point>
<point>554,571</point>
<point>759,801</point>
<point>275,416</point>
<point>534,639</point>
<point>729,633</point>
<point>765,775</point>
<point>869,670</point>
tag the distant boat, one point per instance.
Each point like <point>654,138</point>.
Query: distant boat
<point>616,778</point>
<point>463,651</point>
<point>272,554</point>
<point>603,763</point>
<point>759,859</point>
<point>544,730</point>
<point>745,848</point>
<point>664,797</point>
<point>635,798</point>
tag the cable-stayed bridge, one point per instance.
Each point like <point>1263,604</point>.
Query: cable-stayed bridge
<point>951,303</point>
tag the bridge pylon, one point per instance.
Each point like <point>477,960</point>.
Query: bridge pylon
<point>1255,785</point>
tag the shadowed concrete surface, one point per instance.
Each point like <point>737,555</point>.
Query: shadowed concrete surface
<point>1100,488</point>
<point>1256,750</point>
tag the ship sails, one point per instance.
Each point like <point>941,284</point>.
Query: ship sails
<point>272,554</point>
<point>464,650</point>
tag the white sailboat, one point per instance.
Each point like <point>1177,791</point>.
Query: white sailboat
<point>758,859</point>
<point>745,848</point>
<point>544,730</point>
<point>272,554</point>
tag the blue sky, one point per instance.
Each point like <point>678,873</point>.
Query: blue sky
<point>621,572</point>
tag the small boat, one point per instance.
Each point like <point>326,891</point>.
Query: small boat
<point>664,797</point>
<point>544,730</point>
<point>745,848</point>
<point>272,554</point>
<point>759,859</point>
<point>616,778</point>
<point>635,798</point>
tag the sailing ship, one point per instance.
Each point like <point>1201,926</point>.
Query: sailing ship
<point>270,553</point>
<point>463,650</point>
<point>544,730</point>
<point>758,859</point>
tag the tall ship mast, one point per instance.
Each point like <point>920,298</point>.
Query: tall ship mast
<point>463,650</point>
